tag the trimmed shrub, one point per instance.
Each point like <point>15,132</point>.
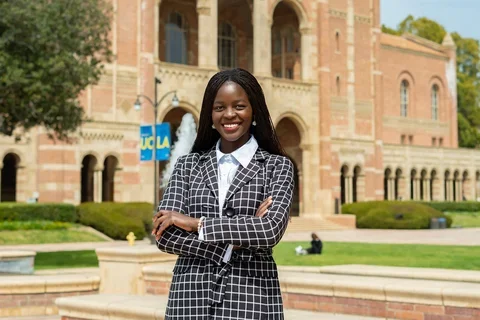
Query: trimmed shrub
<point>34,225</point>
<point>450,206</point>
<point>116,220</point>
<point>393,215</point>
<point>12,211</point>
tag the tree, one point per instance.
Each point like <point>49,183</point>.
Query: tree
<point>468,74</point>
<point>50,51</point>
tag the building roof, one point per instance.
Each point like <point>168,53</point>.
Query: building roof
<point>414,43</point>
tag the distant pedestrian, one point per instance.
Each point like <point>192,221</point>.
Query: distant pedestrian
<point>316,247</point>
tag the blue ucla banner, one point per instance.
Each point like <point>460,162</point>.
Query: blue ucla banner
<point>163,142</point>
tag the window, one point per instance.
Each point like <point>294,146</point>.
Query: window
<point>227,53</point>
<point>277,73</point>
<point>337,84</point>
<point>289,39</point>
<point>176,39</point>
<point>440,142</point>
<point>435,102</point>
<point>402,139</point>
<point>337,41</point>
<point>289,74</point>
<point>277,43</point>
<point>410,139</point>
<point>434,142</point>
<point>404,98</point>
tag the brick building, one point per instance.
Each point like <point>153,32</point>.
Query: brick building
<point>364,115</point>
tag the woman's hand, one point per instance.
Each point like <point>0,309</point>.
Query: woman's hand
<point>164,219</point>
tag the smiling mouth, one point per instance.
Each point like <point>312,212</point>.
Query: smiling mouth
<point>231,125</point>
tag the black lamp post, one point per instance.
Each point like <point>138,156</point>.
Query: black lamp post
<point>155,104</point>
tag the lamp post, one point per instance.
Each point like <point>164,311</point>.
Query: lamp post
<point>155,104</point>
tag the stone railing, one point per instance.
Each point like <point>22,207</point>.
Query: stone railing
<point>34,295</point>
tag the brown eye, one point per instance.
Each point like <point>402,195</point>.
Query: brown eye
<point>240,107</point>
<point>218,108</point>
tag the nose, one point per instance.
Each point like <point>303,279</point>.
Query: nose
<point>230,113</point>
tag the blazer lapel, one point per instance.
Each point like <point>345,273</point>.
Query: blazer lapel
<point>210,171</point>
<point>244,175</point>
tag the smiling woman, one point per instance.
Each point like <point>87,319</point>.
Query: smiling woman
<point>226,206</point>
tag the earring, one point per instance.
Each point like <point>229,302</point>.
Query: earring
<point>254,123</point>
<point>213,126</point>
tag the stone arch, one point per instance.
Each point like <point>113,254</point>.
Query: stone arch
<point>299,123</point>
<point>423,189</point>
<point>434,185</point>
<point>413,184</point>
<point>187,107</point>
<point>358,184</point>
<point>290,138</point>
<point>387,188</point>
<point>9,183</point>
<point>399,184</point>
<point>20,156</point>
<point>344,184</point>
<point>89,166</point>
<point>297,7</point>
<point>465,186</point>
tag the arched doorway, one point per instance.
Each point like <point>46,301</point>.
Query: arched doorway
<point>423,185</point>
<point>89,163</point>
<point>465,186</point>
<point>108,178</point>
<point>9,177</point>
<point>387,185</point>
<point>413,185</point>
<point>398,184</point>
<point>290,139</point>
<point>456,186</point>
<point>433,185</point>
<point>286,43</point>
<point>358,185</point>
<point>447,186</point>
<point>344,185</point>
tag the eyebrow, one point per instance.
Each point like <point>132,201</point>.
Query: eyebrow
<point>234,101</point>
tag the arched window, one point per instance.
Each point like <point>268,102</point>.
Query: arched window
<point>337,41</point>
<point>277,43</point>
<point>227,46</point>
<point>337,86</point>
<point>435,102</point>
<point>404,98</point>
<point>289,39</point>
<point>176,39</point>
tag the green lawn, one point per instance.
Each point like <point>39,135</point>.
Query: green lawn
<point>334,253</point>
<point>46,236</point>
<point>465,219</point>
<point>65,259</point>
<point>402,255</point>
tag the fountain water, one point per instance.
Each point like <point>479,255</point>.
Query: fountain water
<point>186,135</point>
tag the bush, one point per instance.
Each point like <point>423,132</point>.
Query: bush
<point>116,220</point>
<point>393,215</point>
<point>34,225</point>
<point>11,211</point>
<point>450,206</point>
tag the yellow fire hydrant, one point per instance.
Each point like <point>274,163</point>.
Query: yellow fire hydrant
<point>131,238</point>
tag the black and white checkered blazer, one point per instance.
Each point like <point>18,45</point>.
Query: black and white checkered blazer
<point>247,287</point>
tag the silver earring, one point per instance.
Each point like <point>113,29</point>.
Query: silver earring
<point>213,126</point>
<point>254,123</point>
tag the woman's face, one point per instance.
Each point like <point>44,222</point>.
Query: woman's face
<point>232,115</point>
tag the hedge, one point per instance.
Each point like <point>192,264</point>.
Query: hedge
<point>12,211</point>
<point>393,215</point>
<point>450,206</point>
<point>116,220</point>
<point>34,225</point>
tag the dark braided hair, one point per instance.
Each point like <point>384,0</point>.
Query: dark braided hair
<point>264,131</point>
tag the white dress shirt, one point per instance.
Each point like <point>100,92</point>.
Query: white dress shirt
<point>228,164</point>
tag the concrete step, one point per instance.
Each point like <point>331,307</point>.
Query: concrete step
<point>300,224</point>
<point>153,307</point>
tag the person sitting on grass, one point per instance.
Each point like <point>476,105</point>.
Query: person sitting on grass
<point>316,247</point>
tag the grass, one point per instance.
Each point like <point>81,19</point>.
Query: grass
<point>46,236</point>
<point>334,253</point>
<point>401,255</point>
<point>65,259</point>
<point>465,219</point>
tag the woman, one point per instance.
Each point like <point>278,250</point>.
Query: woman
<point>226,206</point>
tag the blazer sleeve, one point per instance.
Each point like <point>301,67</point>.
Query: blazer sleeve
<point>178,241</point>
<point>254,232</point>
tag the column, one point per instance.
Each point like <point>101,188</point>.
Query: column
<point>391,191</point>
<point>450,189</point>
<point>262,43</point>
<point>350,189</point>
<point>426,188</point>
<point>207,34</point>
<point>97,185</point>
<point>306,49</point>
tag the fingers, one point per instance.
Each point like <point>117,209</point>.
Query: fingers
<point>157,221</point>
<point>263,208</point>
<point>164,225</point>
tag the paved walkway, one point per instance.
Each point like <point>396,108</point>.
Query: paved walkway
<point>456,236</point>
<point>464,237</point>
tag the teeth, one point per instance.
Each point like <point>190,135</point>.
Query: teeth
<point>230,125</point>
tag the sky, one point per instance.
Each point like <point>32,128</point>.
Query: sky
<point>462,16</point>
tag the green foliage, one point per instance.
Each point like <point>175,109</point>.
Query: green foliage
<point>393,215</point>
<point>34,225</point>
<point>50,51</point>
<point>468,74</point>
<point>116,220</point>
<point>11,211</point>
<point>66,259</point>
<point>450,206</point>
<point>388,30</point>
<point>11,237</point>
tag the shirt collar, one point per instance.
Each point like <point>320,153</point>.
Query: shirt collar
<point>244,154</point>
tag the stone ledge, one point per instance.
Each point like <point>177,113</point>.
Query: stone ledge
<point>134,254</point>
<point>130,307</point>
<point>392,272</point>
